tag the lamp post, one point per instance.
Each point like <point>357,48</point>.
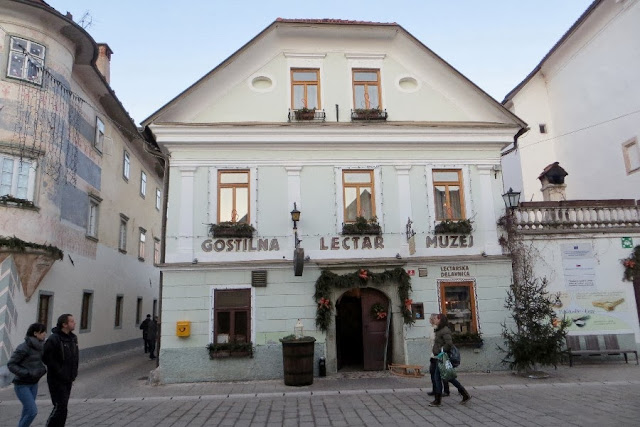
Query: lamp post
<point>295,217</point>
<point>511,199</point>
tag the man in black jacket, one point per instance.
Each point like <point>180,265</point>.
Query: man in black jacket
<point>144,326</point>
<point>61,358</point>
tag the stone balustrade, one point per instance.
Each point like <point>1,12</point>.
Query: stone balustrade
<point>577,217</point>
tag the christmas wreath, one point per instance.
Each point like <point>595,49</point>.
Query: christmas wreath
<point>632,265</point>
<point>378,312</point>
<point>362,277</point>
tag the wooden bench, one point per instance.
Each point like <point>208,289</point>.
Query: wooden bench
<point>592,347</point>
<point>413,371</point>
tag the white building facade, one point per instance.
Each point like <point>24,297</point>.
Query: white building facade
<point>338,120</point>
<point>582,106</point>
<point>75,176</point>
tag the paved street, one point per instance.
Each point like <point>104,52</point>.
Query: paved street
<point>114,392</point>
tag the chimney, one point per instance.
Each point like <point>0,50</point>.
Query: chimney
<point>553,186</point>
<point>104,61</point>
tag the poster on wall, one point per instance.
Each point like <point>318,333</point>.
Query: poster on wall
<point>594,312</point>
<point>579,267</point>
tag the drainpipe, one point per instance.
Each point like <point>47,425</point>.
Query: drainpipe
<point>515,141</point>
<point>163,232</point>
<point>337,113</point>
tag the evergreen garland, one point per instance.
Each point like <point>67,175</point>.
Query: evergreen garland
<point>632,265</point>
<point>329,280</point>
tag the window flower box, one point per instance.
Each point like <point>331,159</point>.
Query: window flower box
<point>305,114</point>
<point>469,339</point>
<point>368,114</point>
<point>230,350</point>
<point>362,226</point>
<point>8,200</point>
<point>231,229</point>
<point>463,226</point>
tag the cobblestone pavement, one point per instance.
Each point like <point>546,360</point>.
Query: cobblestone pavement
<point>115,393</point>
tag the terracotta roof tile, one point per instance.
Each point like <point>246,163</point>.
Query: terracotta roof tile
<point>333,21</point>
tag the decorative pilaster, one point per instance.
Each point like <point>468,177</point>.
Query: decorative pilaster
<point>487,226</point>
<point>293,192</point>
<point>404,198</point>
<point>186,197</point>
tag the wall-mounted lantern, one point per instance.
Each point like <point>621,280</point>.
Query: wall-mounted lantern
<point>511,199</point>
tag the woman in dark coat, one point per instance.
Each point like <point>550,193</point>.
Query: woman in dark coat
<point>443,341</point>
<point>26,364</point>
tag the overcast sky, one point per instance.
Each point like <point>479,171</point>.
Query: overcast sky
<point>161,47</point>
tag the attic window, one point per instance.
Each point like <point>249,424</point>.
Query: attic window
<point>631,153</point>
<point>543,128</point>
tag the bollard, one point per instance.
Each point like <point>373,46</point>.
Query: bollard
<point>322,367</point>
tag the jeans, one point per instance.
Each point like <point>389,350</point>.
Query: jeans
<point>27,395</point>
<point>60,393</point>
<point>437,381</point>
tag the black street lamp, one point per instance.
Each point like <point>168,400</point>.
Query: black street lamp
<point>511,199</point>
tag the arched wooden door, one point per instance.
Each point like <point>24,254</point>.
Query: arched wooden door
<point>361,337</point>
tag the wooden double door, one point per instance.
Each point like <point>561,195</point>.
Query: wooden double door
<point>362,340</point>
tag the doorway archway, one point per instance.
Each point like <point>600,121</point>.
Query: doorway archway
<point>362,340</point>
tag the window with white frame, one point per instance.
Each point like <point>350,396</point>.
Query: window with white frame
<point>126,165</point>
<point>156,251</point>
<point>26,60</point>
<point>143,184</point>
<point>158,199</point>
<point>92,220</point>
<point>17,177</point>
<point>141,243</point>
<point>122,237</point>
<point>98,141</point>
<point>631,152</point>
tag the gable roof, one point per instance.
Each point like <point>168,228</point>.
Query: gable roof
<point>555,47</point>
<point>328,22</point>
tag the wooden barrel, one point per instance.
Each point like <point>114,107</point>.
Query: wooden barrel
<point>297,359</point>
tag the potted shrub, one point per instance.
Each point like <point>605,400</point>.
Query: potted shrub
<point>362,226</point>
<point>231,229</point>
<point>305,113</point>
<point>230,349</point>
<point>463,226</point>
<point>467,339</point>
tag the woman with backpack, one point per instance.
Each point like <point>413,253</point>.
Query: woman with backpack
<point>442,342</point>
<point>26,364</point>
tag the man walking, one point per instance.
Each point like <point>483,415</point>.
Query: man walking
<point>152,335</point>
<point>144,326</point>
<point>61,357</point>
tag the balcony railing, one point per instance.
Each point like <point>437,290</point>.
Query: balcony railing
<point>578,217</point>
<point>306,116</point>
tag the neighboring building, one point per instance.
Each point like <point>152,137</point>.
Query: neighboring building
<point>339,119</point>
<point>76,175</point>
<point>578,168</point>
<point>582,104</point>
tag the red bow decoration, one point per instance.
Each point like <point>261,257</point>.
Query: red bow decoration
<point>629,263</point>
<point>381,315</point>
<point>324,302</point>
<point>407,303</point>
<point>363,274</point>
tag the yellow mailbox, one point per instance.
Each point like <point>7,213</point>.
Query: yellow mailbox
<point>183,328</point>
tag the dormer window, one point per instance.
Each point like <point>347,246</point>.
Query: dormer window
<point>26,60</point>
